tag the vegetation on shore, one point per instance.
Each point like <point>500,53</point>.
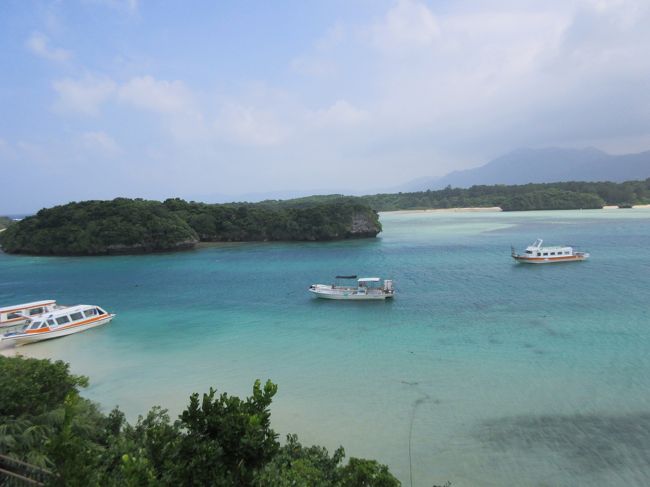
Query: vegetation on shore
<point>216,440</point>
<point>135,225</point>
<point>543,196</point>
<point>5,221</point>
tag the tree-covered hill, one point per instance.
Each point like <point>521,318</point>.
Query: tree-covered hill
<point>302,219</point>
<point>135,225</point>
<point>99,227</point>
<point>546,196</point>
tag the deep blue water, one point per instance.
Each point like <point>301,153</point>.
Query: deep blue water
<point>494,373</point>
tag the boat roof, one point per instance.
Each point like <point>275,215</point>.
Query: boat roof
<point>64,311</point>
<point>537,245</point>
<point>370,279</point>
<point>33,304</point>
<point>346,277</point>
<point>550,247</point>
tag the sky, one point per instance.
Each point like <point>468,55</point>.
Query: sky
<point>221,100</point>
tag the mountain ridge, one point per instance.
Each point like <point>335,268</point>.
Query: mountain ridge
<point>546,165</point>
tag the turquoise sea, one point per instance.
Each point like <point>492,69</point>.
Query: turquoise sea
<point>481,371</point>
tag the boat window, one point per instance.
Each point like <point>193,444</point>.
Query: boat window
<point>50,322</point>
<point>34,325</point>
<point>99,311</point>
<point>539,254</point>
<point>43,325</point>
<point>14,315</point>
<point>76,316</point>
<point>552,253</point>
<point>529,251</point>
<point>61,320</point>
<point>545,253</point>
<point>90,312</point>
<point>35,311</point>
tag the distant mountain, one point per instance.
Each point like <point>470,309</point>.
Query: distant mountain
<point>545,166</point>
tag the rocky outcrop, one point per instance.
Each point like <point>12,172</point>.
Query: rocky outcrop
<point>364,225</point>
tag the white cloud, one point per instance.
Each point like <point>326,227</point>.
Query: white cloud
<point>129,6</point>
<point>248,125</point>
<point>333,37</point>
<point>341,114</point>
<point>159,96</point>
<point>39,44</point>
<point>83,96</point>
<point>312,66</point>
<point>408,24</point>
<point>100,143</point>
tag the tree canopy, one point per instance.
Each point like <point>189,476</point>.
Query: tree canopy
<point>543,196</point>
<point>135,225</point>
<point>217,440</point>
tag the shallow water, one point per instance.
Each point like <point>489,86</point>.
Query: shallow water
<point>493,373</point>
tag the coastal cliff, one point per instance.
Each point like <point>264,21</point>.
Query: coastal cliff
<point>128,226</point>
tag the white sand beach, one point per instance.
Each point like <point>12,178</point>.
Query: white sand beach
<point>444,210</point>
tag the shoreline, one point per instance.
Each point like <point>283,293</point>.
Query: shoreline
<point>479,209</point>
<point>446,210</point>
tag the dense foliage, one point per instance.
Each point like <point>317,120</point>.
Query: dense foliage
<point>218,440</point>
<point>99,227</point>
<point>552,199</point>
<point>126,225</point>
<point>303,219</point>
<point>544,196</point>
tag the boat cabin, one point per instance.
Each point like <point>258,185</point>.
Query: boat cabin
<point>370,283</point>
<point>62,318</point>
<point>21,313</point>
<point>536,250</point>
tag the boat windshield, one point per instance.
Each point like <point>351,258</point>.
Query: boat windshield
<point>34,325</point>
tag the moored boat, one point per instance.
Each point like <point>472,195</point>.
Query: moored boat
<point>366,288</point>
<point>19,314</point>
<point>536,254</point>
<point>58,323</point>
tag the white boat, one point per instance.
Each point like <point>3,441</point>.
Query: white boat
<point>58,323</point>
<point>19,314</point>
<point>366,288</point>
<point>536,254</point>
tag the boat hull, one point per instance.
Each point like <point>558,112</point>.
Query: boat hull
<point>26,338</point>
<point>547,260</point>
<point>350,295</point>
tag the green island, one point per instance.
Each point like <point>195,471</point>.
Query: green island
<point>65,440</point>
<point>135,225</point>
<point>571,195</point>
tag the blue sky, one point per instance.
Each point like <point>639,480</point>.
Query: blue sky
<point>219,100</point>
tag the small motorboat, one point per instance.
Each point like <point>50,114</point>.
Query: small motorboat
<point>366,288</point>
<point>536,254</point>
<point>58,323</point>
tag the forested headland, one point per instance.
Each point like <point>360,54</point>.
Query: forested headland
<point>218,439</point>
<point>542,196</point>
<point>134,225</point>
